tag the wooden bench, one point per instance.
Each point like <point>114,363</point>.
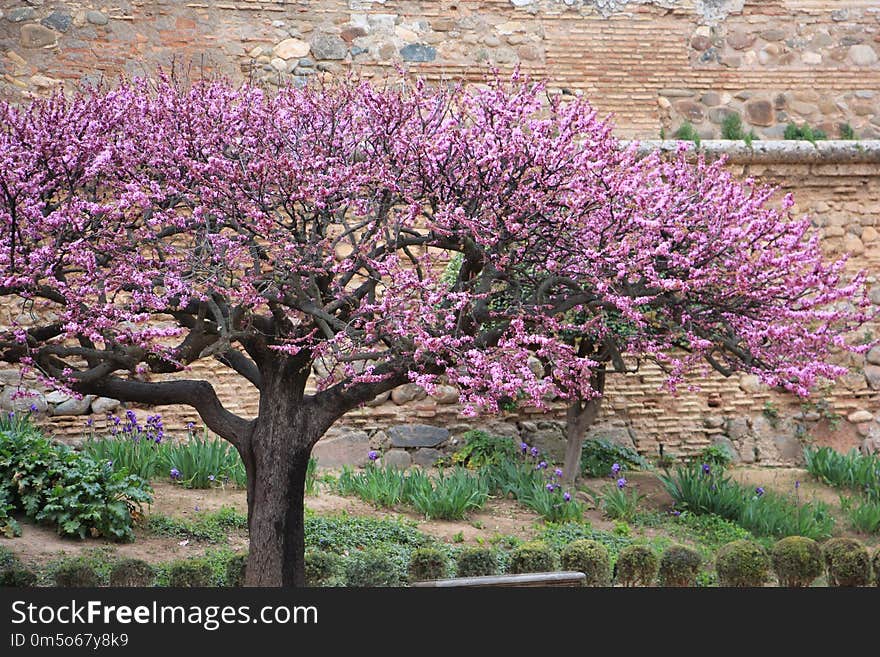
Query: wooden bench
<point>568,578</point>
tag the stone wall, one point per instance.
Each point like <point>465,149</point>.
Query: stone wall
<point>650,63</point>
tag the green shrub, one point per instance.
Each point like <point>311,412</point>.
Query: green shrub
<point>322,568</point>
<point>875,562</point>
<point>599,455</point>
<point>376,567</point>
<point>480,449</point>
<point>384,487</point>
<point>235,569</point>
<point>532,557</point>
<point>715,455</point>
<point>804,132</point>
<point>679,566</point>
<point>12,572</point>
<point>637,565</point>
<point>75,573</point>
<point>742,564</point>
<point>132,572</point>
<point>476,562</point>
<point>558,536</point>
<point>343,533</point>
<point>848,562</point>
<point>190,573</point>
<point>427,564</point>
<point>687,132</point>
<point>590,558</point>
<point>797,561</point>
<point>708,530</point>
<point>56,485</point>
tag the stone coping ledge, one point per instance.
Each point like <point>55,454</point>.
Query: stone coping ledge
<point>832,151</point>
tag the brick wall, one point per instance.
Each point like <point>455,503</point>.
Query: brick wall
<point>651,63</point>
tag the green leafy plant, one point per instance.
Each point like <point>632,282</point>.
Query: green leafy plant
<point>620,502</point>
<point>382,567</point>
<point>92,499</point>
<point>588,557</point>
<point>797,561</point>
<point>847,132</point>
<point>481,449</point>
<point>345,534</point>
<point>847,561</point>
<point>599,455</point>
<point>717,456</point>
<point>863,513</point>
<point>204,462</point>
<point>703,490</point>
<point>560,535</point>
<point>144,458</point>
<point>312,476</point>
<point>211,527</point>
<point>687,132</point>
<point>9,526</point>
<point>132,572</point>
<point>804,132</point>
<point>382,486</point>
<point>707,530</point>
<point>427,564</point>
<point>450,495</point>
<point>853,470</point>
<point>476,562</point>
<point>742,564</point>
<point>322,568</point>
<point>679,566</point>
<point>875,563</point>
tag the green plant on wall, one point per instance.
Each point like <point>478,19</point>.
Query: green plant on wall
<point>804,132</point>
<point>687,132</point>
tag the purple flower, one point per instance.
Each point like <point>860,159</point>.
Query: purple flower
<point>11,414</point>
<point>542,465</point>
<point>33,408</point>
<point>523,447</point>
<point>534,451</point>
<point>175,473</point>
<point>211,477</point>
<point>759,491</point>
<point>615,468</point>
<point>797,484</point>
<point>621,483</point>
<point>550,487</point>
<point>676,513</point>
<point>189,426</point>
<point>89,422</point>
<point>566,497</point>
<point>372,455</point>
<point>109,464</point>
<point>706,468</point>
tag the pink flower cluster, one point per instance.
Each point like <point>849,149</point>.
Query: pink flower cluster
<point>152,225</point>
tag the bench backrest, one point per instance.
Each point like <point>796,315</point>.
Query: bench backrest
<point>567,578</point>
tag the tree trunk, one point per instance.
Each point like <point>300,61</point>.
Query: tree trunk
<point>276,459</point>
<point>579,417</point>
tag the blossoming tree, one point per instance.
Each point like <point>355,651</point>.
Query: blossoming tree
<point>151,226</point>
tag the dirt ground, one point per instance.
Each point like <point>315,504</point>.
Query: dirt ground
<point>40,544</point>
